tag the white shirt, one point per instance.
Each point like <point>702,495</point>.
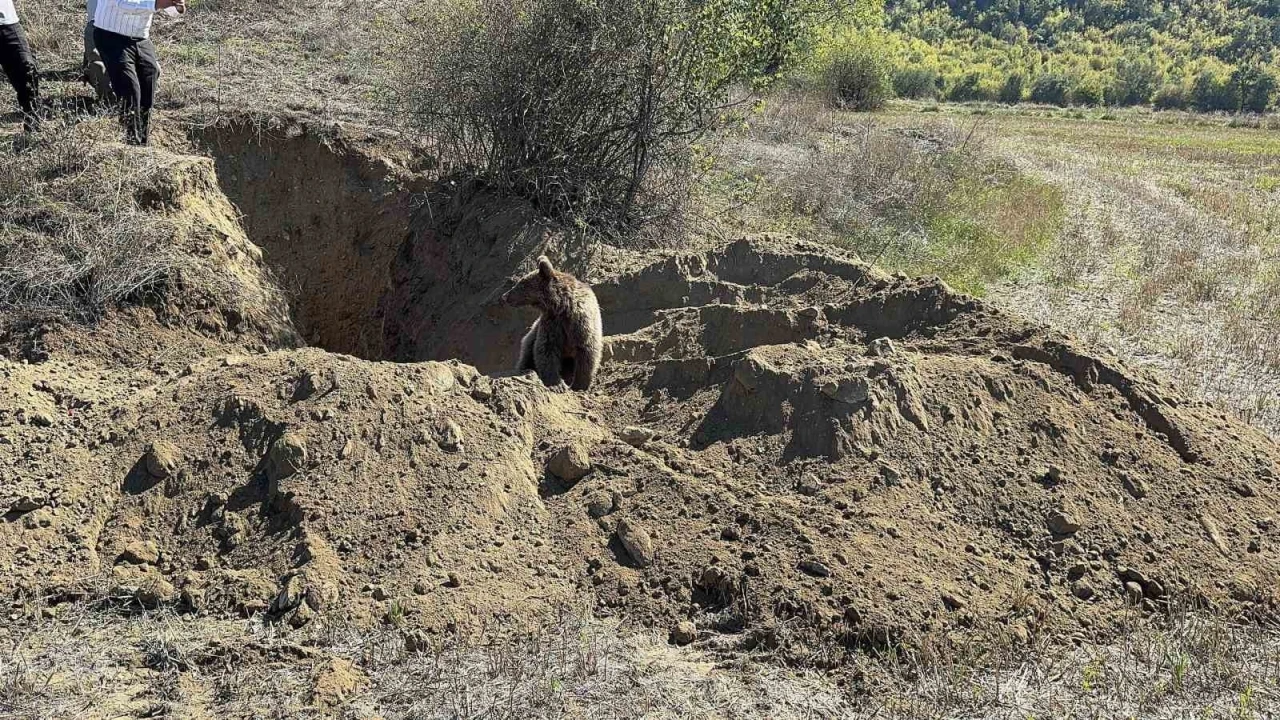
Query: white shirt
<point>124,17</point>
<point>8,13</point>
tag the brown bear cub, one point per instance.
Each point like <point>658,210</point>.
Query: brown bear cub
<point>565,343</point>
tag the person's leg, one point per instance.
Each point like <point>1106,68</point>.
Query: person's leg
<point>20,67</point>
<point>118,54</point>
<point>148,80</point>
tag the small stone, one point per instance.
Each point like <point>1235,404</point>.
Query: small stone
<point>37,519</point>
<point>731,533</point>
<point>288,455</point>
<point>1062,522</point>
<point>204,562</point>
<point>599,504</point>
<point>421,587</point>
<point>292,592</point>
<point>809,486</point>
<point>814,568</point>
<point>40,418</point>
<point>417,641</point>
<point>379,593</point>
<point>892,477</point>
<point>1133,592</point>
<point>1243,489</point>
<point>953,602</point>
<point>1082,590</point>
<point>450,437</point>
<point>570,463</point>
<point>1153,589</point>
<point>635,539</point>
<point>162,459</point>
<point>140,552</point>
<point>1135,486</point>
<point>881,347</point>
<point>684,633</point>
<point>453,581</point>
<point>1077,571</point>
<point>850,391</point>
<point>636,436</point>
<point>27,503</point>
<point>1053,474</point>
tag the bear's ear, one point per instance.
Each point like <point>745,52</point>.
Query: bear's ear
<point>544,266</point>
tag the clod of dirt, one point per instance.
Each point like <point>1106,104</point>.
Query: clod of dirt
<point>140,552</point>
<point>684,633</point>
<point>162,459</point>
<point>636,541</point>
<point>1063,522</point>
<point>599,504</point>
<point>636,436</point>
<point>570,463</point>
<point>287,455</point>
<point>334,680</point>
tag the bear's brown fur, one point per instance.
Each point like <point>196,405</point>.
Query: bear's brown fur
<point>565,343</point>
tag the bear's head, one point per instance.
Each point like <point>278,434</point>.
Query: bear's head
<point>536,288</point>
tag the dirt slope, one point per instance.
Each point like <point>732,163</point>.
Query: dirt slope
<point>794,452</point>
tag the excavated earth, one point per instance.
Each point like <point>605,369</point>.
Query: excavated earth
<point>804,457</point>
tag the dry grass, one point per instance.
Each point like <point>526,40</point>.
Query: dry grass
<point>1169,250</point>
<point>927,199</point>
<point>81,661</point>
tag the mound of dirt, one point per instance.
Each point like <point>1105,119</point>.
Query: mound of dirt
<point>786,448</point>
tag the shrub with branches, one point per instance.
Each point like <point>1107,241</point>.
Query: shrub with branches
<point>588,108</point>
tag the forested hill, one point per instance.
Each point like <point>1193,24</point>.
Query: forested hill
<point>1208,54</point>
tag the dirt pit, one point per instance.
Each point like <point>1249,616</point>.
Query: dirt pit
<point>803,457</point>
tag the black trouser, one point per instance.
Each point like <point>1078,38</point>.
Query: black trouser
<point>20,67</point>
<point>133,70</point>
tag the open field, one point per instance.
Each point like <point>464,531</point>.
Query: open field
<point>1156,235</point>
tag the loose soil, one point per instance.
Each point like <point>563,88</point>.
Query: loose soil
<point>806,458</point>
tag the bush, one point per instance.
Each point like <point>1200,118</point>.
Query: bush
<point>1089,90</point>
<point>1013,88</point>
<point>1256,86</point>
<point>1171,96</point>
<point>1051,89</point>
<point>1213,91</point>
<point>855,74</point>
<point>971,87</point>
<point>916,82</point>
<point>1137,79</point>
<point>577,105</point>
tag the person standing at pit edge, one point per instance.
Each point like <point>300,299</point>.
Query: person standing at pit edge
<point>19,64</point>
<point>122,35</point>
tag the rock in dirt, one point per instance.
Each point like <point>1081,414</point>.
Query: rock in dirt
<point>1062,522</point>
<point>451,437</point>
<point>684,633</point>
<point>637,542</point>
<point>288,455</point>
<point>636,436</point>
<point>292,593</point>
<point>570,463</point>
<point>1135,486</point>
<point>140,552</point>
<point>27,503</point>
<point>599,504</point>
<point>162,459</point>
<point>1133,592</point>
<point>40,418</point>
<point>815,568</point>
<point>1082,590</point>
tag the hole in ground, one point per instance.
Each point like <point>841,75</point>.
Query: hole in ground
<point>379,262</point>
